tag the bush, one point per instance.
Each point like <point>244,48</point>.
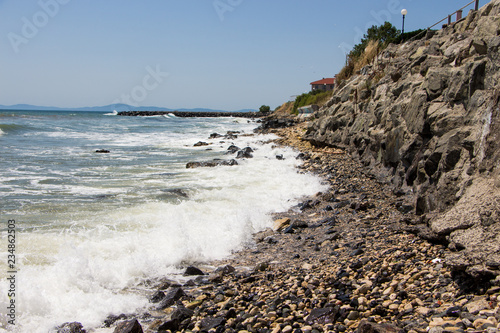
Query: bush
<point>318,97</point>
<point>265,109</point>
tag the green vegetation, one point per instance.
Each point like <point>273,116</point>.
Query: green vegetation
<point>376,39</point>
<point>318,97</point>
<point>383,34</point>
<point>265,109</point>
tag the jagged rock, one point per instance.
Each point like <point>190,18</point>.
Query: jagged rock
<point>245,153</point>
<point>172,295</point>
<point>71,328</point>
<point>322,315</point>
<point>200,144</point>
<point>271,123</point>
<point>181,313</point>
<point>232,149</point>
<point>210,323</point>
<point>157,297</point>
<point>111,319</point>
<point>191,270</point>
<point>225,270</point>
<point>215,136</point>
<point>131,326</point>
<point>102,151</point>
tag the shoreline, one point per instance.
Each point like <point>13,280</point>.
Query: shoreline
<point>192,114</point>
<point>341,261</point>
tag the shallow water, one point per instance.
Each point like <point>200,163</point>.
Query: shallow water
<point>91,227</point>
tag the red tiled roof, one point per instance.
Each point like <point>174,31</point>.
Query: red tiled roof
<point>325,81</point>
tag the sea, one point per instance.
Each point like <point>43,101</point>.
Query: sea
<point>81,231</point>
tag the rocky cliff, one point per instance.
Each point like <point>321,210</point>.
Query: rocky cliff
<point>425,117</point>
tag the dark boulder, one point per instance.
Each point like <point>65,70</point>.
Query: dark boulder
<point>245,153</point>
<point>215,136</point>
<point>71,328</point>
<point>131,326</point>
<point>102,151</point>
<point>157,297</point>
<point>323,316</point>
<point>232,149</point>
<point>200,144</point>
<point>191,270</point>
<point>172,295</point>
<point>209,323</point>
<point>225,270</point>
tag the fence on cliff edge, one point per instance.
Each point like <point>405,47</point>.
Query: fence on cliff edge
<point>459,14</point>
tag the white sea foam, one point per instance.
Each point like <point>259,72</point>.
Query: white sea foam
<point>93,266</point>
<point>114,113</point>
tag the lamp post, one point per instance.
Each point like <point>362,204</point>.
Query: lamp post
<point>403,12</point>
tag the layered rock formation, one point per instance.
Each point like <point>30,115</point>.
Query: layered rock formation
<point>425,116</point>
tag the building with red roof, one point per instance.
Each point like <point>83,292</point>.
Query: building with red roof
<point>324,84</point>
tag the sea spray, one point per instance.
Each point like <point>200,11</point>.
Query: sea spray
<point>94,227</point>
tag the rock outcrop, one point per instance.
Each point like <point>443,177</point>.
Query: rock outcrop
<point>425,118</point>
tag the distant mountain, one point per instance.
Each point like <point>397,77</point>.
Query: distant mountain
<point>107,108</point>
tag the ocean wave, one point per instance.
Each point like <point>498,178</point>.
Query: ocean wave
<point>7,128</point>
<point>114,113</point>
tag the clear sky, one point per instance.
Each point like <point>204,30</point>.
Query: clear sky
<point>219,54</point>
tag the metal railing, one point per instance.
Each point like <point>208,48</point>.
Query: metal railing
<point>459,13</point>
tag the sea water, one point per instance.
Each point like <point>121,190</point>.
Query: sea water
<point>91,227</point>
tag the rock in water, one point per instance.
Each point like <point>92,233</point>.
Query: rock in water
<point>232,149</point>
<point>71,328</point>
<point>211,164</point>
<point>245,153</point>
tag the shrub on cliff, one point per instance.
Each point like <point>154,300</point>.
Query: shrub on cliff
<point>318,97</point>
<point>376,39</point>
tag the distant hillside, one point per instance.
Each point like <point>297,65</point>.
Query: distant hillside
<point>107,108</point>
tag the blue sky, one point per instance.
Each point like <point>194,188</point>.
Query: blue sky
<point>220,54</point>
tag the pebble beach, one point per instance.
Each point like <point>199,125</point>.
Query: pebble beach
<point>343,260</point>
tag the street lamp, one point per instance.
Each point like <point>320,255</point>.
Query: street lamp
<point>403,12</point>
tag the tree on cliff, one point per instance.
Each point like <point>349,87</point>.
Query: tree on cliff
<point>265,109</point>
<point>384,34</point>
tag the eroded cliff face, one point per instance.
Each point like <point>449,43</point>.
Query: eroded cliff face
<point>425,116</point>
